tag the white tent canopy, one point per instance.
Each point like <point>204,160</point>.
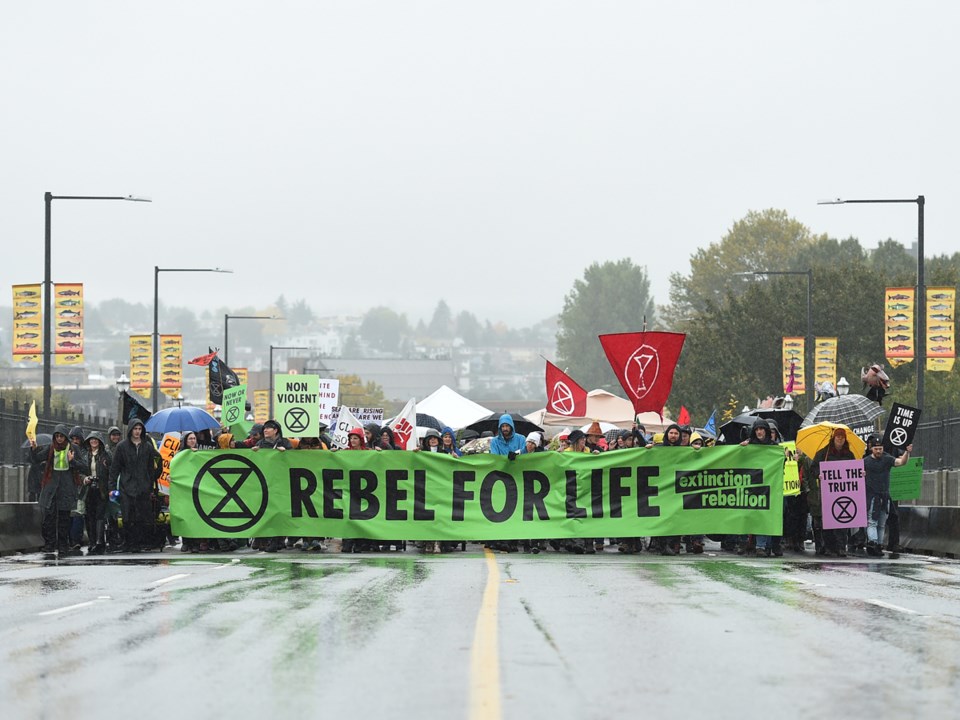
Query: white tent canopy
<point>451,407</point>
<point>604,406</point>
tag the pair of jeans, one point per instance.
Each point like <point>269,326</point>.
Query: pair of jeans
<point>876,519</point>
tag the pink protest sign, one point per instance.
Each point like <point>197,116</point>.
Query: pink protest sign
<point>843,492</point>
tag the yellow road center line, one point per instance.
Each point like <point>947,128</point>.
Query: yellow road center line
<point>485,657</point>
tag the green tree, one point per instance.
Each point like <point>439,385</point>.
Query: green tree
<point>469,328</point>
<point>733,345</point>
<point>355,393</point>
<point>767,240</point>
<point>441,324</point>
<point>383,329</point>
<point>612,297</point>
<point>300,314</point>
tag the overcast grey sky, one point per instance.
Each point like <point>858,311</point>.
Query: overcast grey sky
<point>389,152</point>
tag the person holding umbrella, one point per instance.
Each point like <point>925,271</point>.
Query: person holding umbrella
<point>60,479</point>
<point>833,541</point>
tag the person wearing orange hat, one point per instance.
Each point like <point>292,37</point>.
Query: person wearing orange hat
<point>594,436</point>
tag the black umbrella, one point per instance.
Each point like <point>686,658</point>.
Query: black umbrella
<point>429,421</point>
<point>738,429</point>
<point>491,423</point>
<point>42,439</point>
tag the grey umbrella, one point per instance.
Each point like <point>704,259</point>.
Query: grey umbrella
<point>855,411</point>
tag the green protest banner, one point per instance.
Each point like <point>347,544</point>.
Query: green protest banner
<point>906,480</point>
<point>426,496</point>
<point>296,402</point>
<point>234,410</point>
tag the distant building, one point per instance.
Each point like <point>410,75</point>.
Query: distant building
<point>400,379</point>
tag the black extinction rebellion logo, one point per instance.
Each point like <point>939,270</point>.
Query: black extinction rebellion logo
<point>297,419</point>
<point>230,493</point>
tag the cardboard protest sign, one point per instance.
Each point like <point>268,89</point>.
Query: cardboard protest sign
<point>233,411</point>
<point>168,448</point>
<point>843,492</point>
<point>906,481</point>
<point>901,427</point>
<point>328,397</point>
<point>296,403</point>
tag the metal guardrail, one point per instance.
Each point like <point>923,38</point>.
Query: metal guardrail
<point>938,442</point>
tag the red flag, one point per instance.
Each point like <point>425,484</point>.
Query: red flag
<point>644,363</point>
<point>564,396</point>
<point>203,360</point>
<point>684,417</point>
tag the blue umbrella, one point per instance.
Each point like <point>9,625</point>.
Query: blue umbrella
<point>182,419</point>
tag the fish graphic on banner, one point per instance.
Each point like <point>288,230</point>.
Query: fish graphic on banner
<point>261,405</point>
<point>941,324</point>
<point>141,364</point>
<point>825,361</point>
<point>898,325</point>
<point>27,324</point>
<point>171,364</point>
<point>793,351</point>
<point>644,363</point>
<point>68,308</point>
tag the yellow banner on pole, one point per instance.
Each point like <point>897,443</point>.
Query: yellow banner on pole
<point>941,332</point>
<point>27,324</point>
<point>825,360</point>
<point>898,325</point>
<point>261,405</point>
<point>793,366</point>
<point>141,364</point>
<point>171,364</point>
<point>68,323</point>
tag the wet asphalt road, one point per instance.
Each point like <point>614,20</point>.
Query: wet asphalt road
<point>247,635</point>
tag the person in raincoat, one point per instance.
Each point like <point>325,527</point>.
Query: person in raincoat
<point>134,471</point>
<point>830,542</point>
<point>668,544</point>
<point>59,483</point>
<point>507,441</point>
<point>448,442</point>
<point>96,475</point>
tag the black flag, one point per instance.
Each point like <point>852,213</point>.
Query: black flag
<point>133,409</point>
<point>221,377</point>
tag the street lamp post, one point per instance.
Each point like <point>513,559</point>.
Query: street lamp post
<point>272,348</point>
<point>808,350</point>
<point>123,384</point>
<point>156,321</point>
<point>843,387</point>
<point>48,199</point>
<point>226,329</point>
<point>921,299</point>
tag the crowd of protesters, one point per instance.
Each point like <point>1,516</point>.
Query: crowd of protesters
<point>105,493</point>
